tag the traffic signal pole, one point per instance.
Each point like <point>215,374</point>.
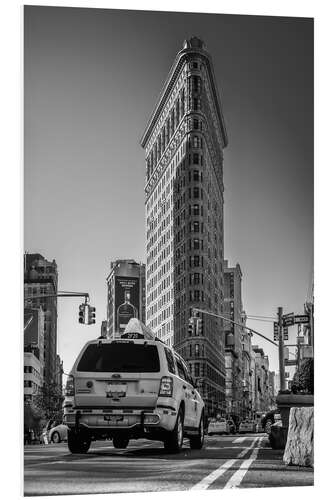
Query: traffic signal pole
<point>281,351</point>
<point>195,309</point>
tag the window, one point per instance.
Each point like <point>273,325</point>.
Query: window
<point>196,175</point>
<point>196,159</point>
<point>180,368</point>
<point>196,210</point>
<point>195,141</point>
<point>196,124</point>
<point>196,350</point>
<point>196,192</point>
<point>120,357</point>
<point>170,361</point>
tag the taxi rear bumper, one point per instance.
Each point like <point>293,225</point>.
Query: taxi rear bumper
<point>136,421</point>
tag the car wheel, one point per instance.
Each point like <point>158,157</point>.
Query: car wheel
<point>55,438</point>
<point>196,442</point>
<point>78,442</point>
<point>268,426</point>
<point>120,441</point>
<point>174,442</point>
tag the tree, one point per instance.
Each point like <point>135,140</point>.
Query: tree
<point>303,380</point>
<point>49,401</point>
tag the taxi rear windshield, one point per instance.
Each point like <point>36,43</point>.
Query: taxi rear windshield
<point>120,357</point>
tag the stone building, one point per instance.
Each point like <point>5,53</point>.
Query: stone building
<point>233,309</point>
<point>41,279</point>
<point>184,141</point>
<point>126,289</point>
<point>262,389</point>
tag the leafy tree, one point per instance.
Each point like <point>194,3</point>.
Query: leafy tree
<point>303,381</point>
<point>49,401</point>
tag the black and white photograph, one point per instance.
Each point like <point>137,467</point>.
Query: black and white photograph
<point>168,251</point>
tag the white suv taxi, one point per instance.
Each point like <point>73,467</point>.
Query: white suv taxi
<point>129,388</point>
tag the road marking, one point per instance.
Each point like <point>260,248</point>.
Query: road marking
<point>238,476</point>
<point>239,440</point>
<point>208,480</point>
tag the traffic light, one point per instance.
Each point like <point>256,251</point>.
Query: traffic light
<point>82,308</point>
<point>199,326</point>
<point>276,331</point>
<point>191,326</point>
<point>91,315</point>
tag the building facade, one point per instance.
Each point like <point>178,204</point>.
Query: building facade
<point>184,142</point>
<point>233,309</point>
<point>126,289</point>
<point>33,376</point>
<point>263,401</point>
<point>41,278</point>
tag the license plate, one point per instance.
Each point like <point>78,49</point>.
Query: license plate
<point>116,419</point>
<point>113,418</point>
<point>116,389</point>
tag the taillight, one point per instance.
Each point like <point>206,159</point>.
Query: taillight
<point>166,387</point>
<point>69,390</point>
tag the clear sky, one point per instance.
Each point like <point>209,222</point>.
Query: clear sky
<point>92,78</point>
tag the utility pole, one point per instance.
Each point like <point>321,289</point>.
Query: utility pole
<point>281,351</point>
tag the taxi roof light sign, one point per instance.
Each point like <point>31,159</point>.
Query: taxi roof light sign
<point>135,329</point>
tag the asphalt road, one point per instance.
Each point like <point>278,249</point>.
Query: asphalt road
<point>244,461</point>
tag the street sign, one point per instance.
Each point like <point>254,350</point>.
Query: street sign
<point>290,362</point>
<point>287,315</point>
<point>302,318</point>
<point>276,331</point>
<point>285,333</point>
<point>288,320</point>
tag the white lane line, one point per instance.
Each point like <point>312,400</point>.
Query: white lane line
<point>208,480</point>
<point>238,476</point>
<point>239,440</point>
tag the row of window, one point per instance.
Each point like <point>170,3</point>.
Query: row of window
<point>164,137</point>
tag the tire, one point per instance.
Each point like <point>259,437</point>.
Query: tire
<point>174,442</point>
<point>78,442</point>
<point>196,442</point>
<point>55,438</point>
<point>120,441</point>
<point>268,426</point>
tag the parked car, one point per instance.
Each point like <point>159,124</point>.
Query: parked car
<point>135,387</point>
<point>221,426</point>
<point>247,426</point>
<point>54,432</point>
<point>217,426</point>
<point>269,419</point>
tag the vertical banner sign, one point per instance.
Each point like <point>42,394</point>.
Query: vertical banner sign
<point>127,300</point>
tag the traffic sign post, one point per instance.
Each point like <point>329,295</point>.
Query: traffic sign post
<point>288,320</point>
<point>285,333</point>
<point>301,318</point>
<point>281,351</point>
